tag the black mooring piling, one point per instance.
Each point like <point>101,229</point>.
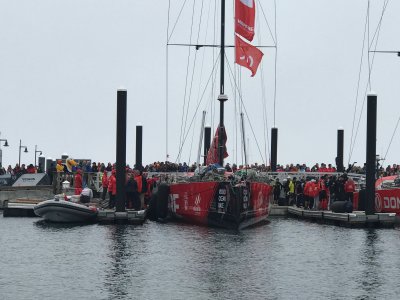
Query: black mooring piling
<point>274,148</point>
<point>371,153</point>
<point>340,146</point>
<point>121,149</point>
<point>207,142</point>
<point>139,146</point>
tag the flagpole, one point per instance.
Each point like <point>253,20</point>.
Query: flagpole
<point>222,97</point>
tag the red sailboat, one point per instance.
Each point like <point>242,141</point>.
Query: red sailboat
<point>214,198</point>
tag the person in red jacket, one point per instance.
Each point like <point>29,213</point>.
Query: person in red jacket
<point>323,193</point>
<point>349,189</point>
<point>112,189</point>
<point>308,198</point>
<point>78,182</point>
<point>104,183</point>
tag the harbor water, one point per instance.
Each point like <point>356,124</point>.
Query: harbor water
<point>285,259</point>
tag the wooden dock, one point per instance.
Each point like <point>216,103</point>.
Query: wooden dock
<point>22,207</point>
<point>354,219</point>
<point>278,211</point>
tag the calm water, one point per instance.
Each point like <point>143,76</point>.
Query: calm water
<point>286,259</point>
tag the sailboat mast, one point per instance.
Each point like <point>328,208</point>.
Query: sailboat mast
<point>222,97</point>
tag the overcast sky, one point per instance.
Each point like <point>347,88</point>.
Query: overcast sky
<point>61,63</point>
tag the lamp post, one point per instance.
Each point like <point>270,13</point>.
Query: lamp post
<point>26,151</point>
<point>37,151</point>
<point>1,151</point>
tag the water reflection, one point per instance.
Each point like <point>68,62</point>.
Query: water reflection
<point>370,279</point>
<point>116,277</point>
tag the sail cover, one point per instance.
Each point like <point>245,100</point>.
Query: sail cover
<point>212,155</point>
<point>245,12</point>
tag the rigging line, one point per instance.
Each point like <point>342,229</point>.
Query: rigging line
<point>201,75</point>
<point>213,57</point>
<point>369,62</point>
<point>358,85</point>
<point>203,56</point>
<point>176,22</point>
<point>235,114</point>
<point>265,18</point>
<point>385,4</point>
<point>194,64</point>
<point>263,102</point>
<point>372,64</point>
<point>391,140</point>
<point>247,115</point>
<point>197,107</point>
<point>276,63</point>
<point>166,84</point>
<point>187,73</point>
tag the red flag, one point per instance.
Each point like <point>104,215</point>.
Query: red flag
<point>245,13</point>
<point>212,155</point>
<point>247,55</point>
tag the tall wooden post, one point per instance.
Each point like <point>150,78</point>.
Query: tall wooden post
<point>274,148</point>
<point>139,146</point>
<point>340,146</point>
<point>371,153</point>
<point>207,142</point>
<point>121,149</point>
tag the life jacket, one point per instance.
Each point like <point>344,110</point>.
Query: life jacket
<point>104,180</point>
<point>139,182</point>
<point>78,181</point>
<point>112,185</point>
<point>308,188</point>
<point>349,186</point>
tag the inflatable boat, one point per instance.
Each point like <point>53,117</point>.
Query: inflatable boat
<point>61,211</point>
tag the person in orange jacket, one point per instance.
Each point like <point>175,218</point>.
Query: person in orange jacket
<point>349,189</point>
<point>104,183</point>
<point>112,189</point>
<point>78,182</point>
<point>308,198</point>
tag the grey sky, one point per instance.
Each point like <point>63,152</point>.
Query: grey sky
<point>61,63</point>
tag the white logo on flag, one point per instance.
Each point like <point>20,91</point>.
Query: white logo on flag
<point>248,3</point>
<point>249,60</point>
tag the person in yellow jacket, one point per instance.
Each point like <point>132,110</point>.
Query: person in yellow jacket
<point>291,190</point>
<point>59,166</point>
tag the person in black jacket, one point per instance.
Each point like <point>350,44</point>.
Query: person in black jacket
<point>132,196</point>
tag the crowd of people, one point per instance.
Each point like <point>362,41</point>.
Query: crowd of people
<point>314,193</point>
<point>88,167</point>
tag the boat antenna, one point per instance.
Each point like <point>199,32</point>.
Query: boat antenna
<point>222,97</point>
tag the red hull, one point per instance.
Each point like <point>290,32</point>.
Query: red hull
<point>386,200</point>
<point>220,204</point>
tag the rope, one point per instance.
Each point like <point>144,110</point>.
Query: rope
<point>167,83</point>
<point>197,108</point>
<point>394,132</point>
<point>358,85</point>
<point>248,118</point>
<point>377,33</point>
<point>177,19</point>
<point>186,79</point>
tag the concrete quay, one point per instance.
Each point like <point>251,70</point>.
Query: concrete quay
<point>11,194</point>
